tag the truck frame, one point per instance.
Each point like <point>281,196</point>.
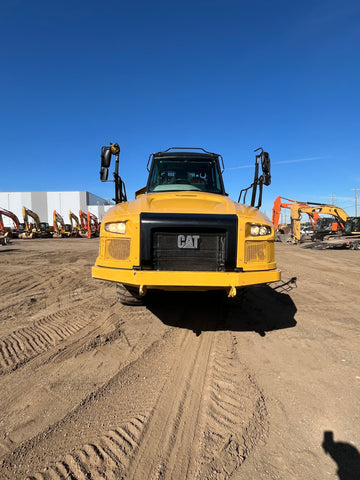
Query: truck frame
<point>182,231</point>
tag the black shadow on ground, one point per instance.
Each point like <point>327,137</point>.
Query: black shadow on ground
<point>8,249</point>
<point>346,456</point>
<point>260,309</point>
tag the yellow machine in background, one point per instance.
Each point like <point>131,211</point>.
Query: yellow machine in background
<point>37,229</point>
<point>75,224</point>
<point>182,231</point>
<point>323,226</point>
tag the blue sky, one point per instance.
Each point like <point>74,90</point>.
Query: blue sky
<point>228,76</point>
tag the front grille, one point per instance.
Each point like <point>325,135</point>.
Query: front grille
<point>195,252</point>
<point>188,242</point>
<point>260,251</point>
<point>118,249</point>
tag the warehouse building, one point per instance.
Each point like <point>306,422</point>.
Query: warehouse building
<point>44,204</point>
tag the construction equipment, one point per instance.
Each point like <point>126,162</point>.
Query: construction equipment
<point>346,239</point>
<point>89,224</point>
<point>279,204</point>
<point>61,229</point>
<point>83,223</point>
<point>37,229</point>
<point>75,226</point>
<point>4,239</point>
<point>182,232</point>
<point>352,226</point>
<point>296,208</point>
<point>11,232</point>
<point>322,226</point>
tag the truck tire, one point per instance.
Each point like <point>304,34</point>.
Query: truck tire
<point>128,296</point>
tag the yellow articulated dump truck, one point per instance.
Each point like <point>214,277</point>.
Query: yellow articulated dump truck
<point>182,231</point>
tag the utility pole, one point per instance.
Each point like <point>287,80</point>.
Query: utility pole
<point>356,196</point>
<point>332,199</point>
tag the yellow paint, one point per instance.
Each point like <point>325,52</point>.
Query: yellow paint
<point>255,255</point>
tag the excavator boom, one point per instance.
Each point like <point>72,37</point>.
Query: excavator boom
<point>39,229</point>
<point>75,226</point>
<point>296,208</point>
<point>12,216</point>
<point>89,223</point>
<point>60,229</point>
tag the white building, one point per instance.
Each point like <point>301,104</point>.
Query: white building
<point>44,204</point>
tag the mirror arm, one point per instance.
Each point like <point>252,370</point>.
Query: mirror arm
<point>260,195</point>
<point>256,178</point>
<point>264,179</point>
<point>120,191</point>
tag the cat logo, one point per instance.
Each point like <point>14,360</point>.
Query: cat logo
<point>188,241</point>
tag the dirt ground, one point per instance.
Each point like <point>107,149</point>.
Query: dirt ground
<point>186,387</point>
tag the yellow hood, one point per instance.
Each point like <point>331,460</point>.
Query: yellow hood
<point>182,202</point>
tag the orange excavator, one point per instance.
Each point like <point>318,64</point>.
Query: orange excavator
<point>89,223</point>
<point>296,208</point>
<point>61,229</point>
<point>6,232</point>
<point>9,231</point>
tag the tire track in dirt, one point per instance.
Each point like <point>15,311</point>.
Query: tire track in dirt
<point>26,343</point>
<point>176,411</point>
<point>111,408</point>
<point>195,419</point>
<point>29,293</point>
<point>31,280</point>
<point>108,459</point>
<point>235,417</point>
<point>118,331</point>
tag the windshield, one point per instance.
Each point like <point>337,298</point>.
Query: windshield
<point>352,225</point>
<point>169,174</point>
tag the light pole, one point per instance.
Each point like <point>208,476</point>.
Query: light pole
<point>355,201</point>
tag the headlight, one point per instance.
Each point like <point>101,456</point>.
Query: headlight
<point>254,230</point>
<point>264,230</point>
<point>118,227</point>
<point>259,230</point>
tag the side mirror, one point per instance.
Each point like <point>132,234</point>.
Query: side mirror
<point>106,153</point>
<point>105,157</point>
<point>265,165</point>
<point>104,173</point>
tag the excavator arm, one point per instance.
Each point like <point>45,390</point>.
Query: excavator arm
<point>93,225</point>
<point>59,224</point>
<point>89,223</point>
<point>11,215</point>
<point>296,209</point>
<point>83,220</point>
<point>337,212</point>
<point>74,224</point>
<point>29,231</point>
<point>39,229</point>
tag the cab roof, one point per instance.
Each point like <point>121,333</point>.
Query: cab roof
<point>187,153</point>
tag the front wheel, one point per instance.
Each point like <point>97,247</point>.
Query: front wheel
<point>128,295</point>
